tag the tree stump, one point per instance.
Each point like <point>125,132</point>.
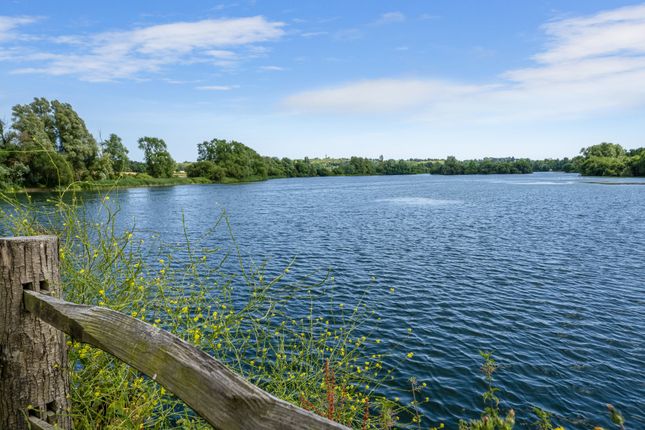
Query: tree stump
<point>34,378</point>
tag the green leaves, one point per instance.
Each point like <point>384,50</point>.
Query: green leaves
<point>159,163</point>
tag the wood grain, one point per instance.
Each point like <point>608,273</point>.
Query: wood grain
<point>34,379</point>
<point>217,394</point>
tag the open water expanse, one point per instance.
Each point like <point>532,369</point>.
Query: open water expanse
<point>547,270</point>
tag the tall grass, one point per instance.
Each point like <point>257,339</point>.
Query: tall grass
<point>268,328</point>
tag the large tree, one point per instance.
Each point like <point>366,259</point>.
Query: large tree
<point>114,150</point>
<point>74,140</point>
<point>236,159</point>
<point>159,163</point>
<point>604,159</point>
<point>50,135</point>
<point>604,149</point>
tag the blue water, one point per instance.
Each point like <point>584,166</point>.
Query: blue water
<point>546,270</point>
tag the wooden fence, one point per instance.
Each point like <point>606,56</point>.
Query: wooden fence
<point>34,374</point>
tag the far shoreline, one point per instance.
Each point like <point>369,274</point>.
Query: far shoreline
<point>127,182</point>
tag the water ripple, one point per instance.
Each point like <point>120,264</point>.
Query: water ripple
<point>550,278</point>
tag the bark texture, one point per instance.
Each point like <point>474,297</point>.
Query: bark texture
<point>34,378</point>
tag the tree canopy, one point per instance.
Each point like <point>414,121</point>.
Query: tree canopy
<point>115,151</point>
<point>231,159</point>
<point>159,163</point>
<point>610,159</point>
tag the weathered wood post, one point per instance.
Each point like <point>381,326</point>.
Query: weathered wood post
<point>33,354</point>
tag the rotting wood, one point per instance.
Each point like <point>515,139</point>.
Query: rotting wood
<point>34,379</point>
<point>216,393</point>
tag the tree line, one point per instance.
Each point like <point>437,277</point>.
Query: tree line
<point>48,144</point>
<point>219,160</point>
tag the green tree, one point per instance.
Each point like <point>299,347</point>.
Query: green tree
<point>604,159</point>
<point>236,159</point>
<point>116,153</point>
<point>43,127</point>
<point>205,169</point>
<point>159,163</point>
<point>452,166</point>
<point>604,149</point>
<point>36,148</point>
<point>8,138</point>
<point>34,123</point>
<point>74,140</point>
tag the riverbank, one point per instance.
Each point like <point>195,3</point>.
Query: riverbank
<point>143,180</point>
<point>109,184</point>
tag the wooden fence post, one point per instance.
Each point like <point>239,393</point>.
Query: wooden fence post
<point>34,378</point>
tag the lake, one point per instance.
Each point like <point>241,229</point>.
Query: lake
<point>547,270</point>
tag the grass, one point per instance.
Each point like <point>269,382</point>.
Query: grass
<point>141,180</point>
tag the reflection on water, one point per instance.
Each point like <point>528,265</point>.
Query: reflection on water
<point>419,201</point>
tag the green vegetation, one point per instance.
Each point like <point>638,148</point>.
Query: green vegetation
<point>138,180</point>
<point>610,159</point>
<point>159,163</point>
<point>219,159</point>
<point>48,146</point>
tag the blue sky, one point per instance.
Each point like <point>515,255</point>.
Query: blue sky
<point>401,79</point>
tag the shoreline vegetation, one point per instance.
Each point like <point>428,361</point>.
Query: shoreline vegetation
<point>48,147</point>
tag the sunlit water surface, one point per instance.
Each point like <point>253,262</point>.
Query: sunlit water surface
<point>546,270</point>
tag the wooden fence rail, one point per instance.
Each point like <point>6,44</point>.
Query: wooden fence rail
<point>33,368</point>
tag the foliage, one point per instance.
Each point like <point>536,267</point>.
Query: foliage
<point>230,159</point>
<point>159,163</point>
<point>138,180</point>
<point>610,159</point>
<point>117,153</point>
<point>73,139</point>
<point>491,418</point>
<point>55,127</point>
<point>205,169</point>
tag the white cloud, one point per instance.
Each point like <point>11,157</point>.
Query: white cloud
<point>314,33</point>
<point>390,18</point>
<point>591,65</point>
<point>217,87</point>
<point>615,32</point>
<point>222,54</point>
<point>9,23</point>
<point>272,68</point>
<point>375,96</point>
<point>128,54</point>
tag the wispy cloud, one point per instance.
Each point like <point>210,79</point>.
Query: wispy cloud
<point>9,23</point>
<point>272,68</point>
<point>314,33</point>
<point>376,96</point>
<point>390,18</point>
<point>590,65</point>
<point>216,87</point>
<point>428,17</point>
<point>128,54</point>
<point>348,34</point>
